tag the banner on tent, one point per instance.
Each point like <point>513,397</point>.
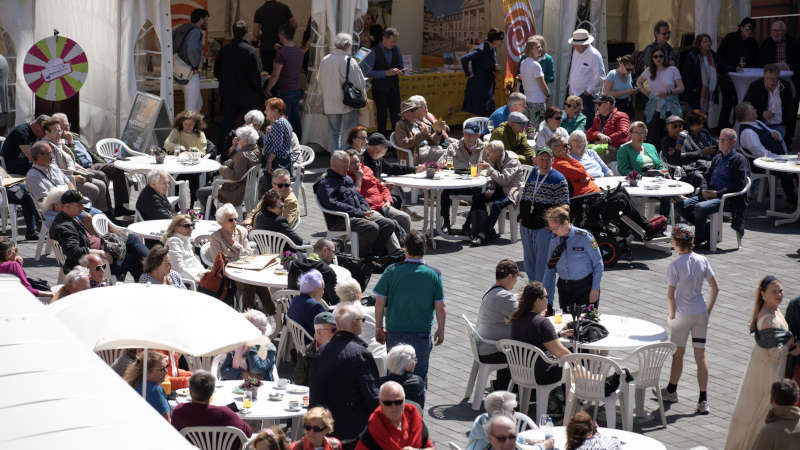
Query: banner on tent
<point>520,25</point>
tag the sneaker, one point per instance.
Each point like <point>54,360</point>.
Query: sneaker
<point>702,407</point>
<point>670,397</point>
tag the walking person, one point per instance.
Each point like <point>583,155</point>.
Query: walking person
<point>479,66</point>
<point>586,71</point>
<point>335,68</point>
<point>688,312</point>
<point>286,75</point>
<point>188,41</point>
<point>384,64</point>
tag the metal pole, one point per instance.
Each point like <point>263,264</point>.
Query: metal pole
<point>119,72</point>
<point>144,374</point>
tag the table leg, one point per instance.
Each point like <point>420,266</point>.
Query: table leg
<point>296,433</point>
<point>785,217</point>
<point>627,413</point>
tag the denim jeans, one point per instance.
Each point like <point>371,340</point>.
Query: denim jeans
<point>695,210</point>
<point>338,127</point>
<point>292,100</point>
<point>535,244</point>
<point>422,343</point>
<point>498,201</point>
<point>134,254</point>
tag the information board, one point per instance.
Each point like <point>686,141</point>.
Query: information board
<point>148,122</point>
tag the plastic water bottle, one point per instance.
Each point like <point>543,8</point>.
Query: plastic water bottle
<point>548,428</point>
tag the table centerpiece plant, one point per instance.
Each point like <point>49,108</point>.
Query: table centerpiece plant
<point>250,383</point>
<point>193,214</point>
<point>633,178</point>
<point>430,168</point>
<point>286,258</point>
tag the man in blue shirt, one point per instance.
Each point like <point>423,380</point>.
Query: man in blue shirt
<point>514,103</point>
<point>575,256</point>
<point>384,64</point>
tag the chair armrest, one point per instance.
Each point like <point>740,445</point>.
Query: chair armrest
<point>341,214</point>
<point>304,248</point>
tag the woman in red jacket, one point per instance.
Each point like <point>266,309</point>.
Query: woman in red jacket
<point>374,192</point>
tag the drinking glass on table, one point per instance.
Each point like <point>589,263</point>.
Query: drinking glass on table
<point>247,403</point>
<point>450,163</point>
<point>557,317</point>
<point>473,170</point>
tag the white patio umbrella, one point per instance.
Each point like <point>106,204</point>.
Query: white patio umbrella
<point>155,317</point>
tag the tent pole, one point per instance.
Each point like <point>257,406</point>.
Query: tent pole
<point>144,374</point>
<point>119,65</point>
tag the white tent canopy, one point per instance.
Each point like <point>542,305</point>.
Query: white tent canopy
<point>58,394</point>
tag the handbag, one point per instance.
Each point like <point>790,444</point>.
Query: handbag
<point>590,331</point>
<point>353,97</point>
<point>180,69</point>
<point>214,282</point>
<point>115,244</point>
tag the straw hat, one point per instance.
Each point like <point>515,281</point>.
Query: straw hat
<point>408,105</point>
<point>581,37</point>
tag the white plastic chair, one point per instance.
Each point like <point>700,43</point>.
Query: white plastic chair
<point>110,149</point>
<point>513,211</point>
<point>586,381</point>
<point>523,422</point>
<point>522,358</point>
<point>43,244</point>
<point>282,299</point>
<point>305,156</point>
<point>292,334</point>
<point>345,234</point>
<point>272,242</point>
<point>203,255</point>
<point>483,123</point>
<point>210,363</point>
<point>410,159</point>
<point>102,224</point>
<point>109,356</point>
<point>651,359</point>
<point>250,178</point>
<point>59,254</point>
<point>9,214</point>
<point>215,438</point>
<point>479,375</point>
<point>453,446</point>
<point>716,218</point>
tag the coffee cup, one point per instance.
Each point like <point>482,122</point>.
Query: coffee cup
<point>282,382</point>
<point>294,404</point>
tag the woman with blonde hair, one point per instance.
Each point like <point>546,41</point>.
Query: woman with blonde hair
<point>767,364</point>
<point>532,76</point>
<point>573,118</point>
<point>178,239</point>
<point>318,423</point>
<point>156,370</point>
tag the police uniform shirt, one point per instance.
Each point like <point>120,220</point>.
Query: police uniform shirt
<point>581,257</point>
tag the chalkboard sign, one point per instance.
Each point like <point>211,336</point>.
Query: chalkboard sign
<point>148,122</point>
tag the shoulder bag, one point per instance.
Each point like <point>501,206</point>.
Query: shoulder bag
<point>353,97</point>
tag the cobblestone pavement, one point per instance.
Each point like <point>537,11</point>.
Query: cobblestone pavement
<point>636,289</point>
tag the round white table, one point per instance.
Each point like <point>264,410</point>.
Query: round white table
<point>625,334</point>
<point>648,186</point>
<point>171,165</point>
<point>154,229</point>
<point>785,164</point>
<point>628,439</point>
<point>265,410</point>
<point>273,277</point>
<point>741,80</point>
<point>432,189</point>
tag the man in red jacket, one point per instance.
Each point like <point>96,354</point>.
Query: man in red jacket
<point>374,192</point>
<point>611,126</point>
<point>395,424</point>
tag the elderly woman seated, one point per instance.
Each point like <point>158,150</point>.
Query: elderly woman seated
<point>157,268</point>
<point>245,360</point>
<point>588,158</point>
<point>411,133</point>
<point>231,240</point>
<point>308,304</point>
<point>11,263</point>
<point>270,217</point>
<point>153,203</point>
<point>75,281</point>
<point>178,239</point>
<point>255,119</point>
<point>400,362</point>
<point>498,403</point>
<point>245,155</point>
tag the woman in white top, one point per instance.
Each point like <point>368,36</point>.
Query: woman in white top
<point>589,158</point>
<point>551,127</point>
<point>178,239</point>
<point>349,292</point>
<point>663,84</point>
<point>536,91</point>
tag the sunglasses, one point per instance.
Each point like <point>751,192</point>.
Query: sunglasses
<point>676,125</point>
<point>188,225</point>
<point>99,268</point>
<point>315,428</point>
<point>658,56</point>
<point>233,219</point>
<point>393,402</point>
<point>570,105</point>
<point>501,438</point>
<point>557,118</point>
<point>283,185</point>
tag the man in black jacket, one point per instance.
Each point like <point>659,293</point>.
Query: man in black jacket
<point>153,203</point>
<point>322,257</point>
<point>737,47</point>
<point>344,377</point>
<point>727,174</point>
<point>772,99</point>
<point>377,146</point>
<point>269,218</point>
<point>238,69</point>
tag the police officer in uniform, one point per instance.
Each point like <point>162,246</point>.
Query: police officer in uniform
<point>574,255</point>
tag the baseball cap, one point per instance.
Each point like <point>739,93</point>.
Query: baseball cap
<point>517,117</point>
<point>472,128</point>
<point>674,118</point>
<point>325,317</point>
<point>604,98</point>
<point>75,197</point>
<point>377,139</point>
<point>541,150</point>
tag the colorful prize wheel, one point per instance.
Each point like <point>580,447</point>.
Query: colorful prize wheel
<point>55,68</point>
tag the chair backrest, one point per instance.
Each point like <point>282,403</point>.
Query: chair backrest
<point>341,214</point>
<point>251,187</point>
<point>305,156</point>
<point>587,374</point>
<point>300,337</point>
<point>215,438</point>
<point>110,148</point>
<point>199,362</point>
<point>482,122</point>
<point>473,336</point>
<point>526,171</point>
<point>403,149</point>
<point>523,422</point>
<point>651,359</point>
<point>58,252</point>
<point>268,241</point>
<point>453,446</point>
<point>521,359</point>
<point>109,356</point>
<point>102,224</point>
<point>203,254</point>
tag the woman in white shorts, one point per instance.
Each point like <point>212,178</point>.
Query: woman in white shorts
<point>688,311</point>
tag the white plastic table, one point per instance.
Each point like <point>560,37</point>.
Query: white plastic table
<point>154,229</point>
<point>171,165</point>
<point>432,189</point>
<point>648,186</point>
<point>629,440</point>
<point>273,277</point>
<point>741,80</point>
<point>265,410</point>
<point>625,334</point>
<point>785,164</point>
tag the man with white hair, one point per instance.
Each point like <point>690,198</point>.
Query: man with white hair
<point>336,191</point>
<point>501,432</point>
<point>395,423</point>
<point>153,203</point>
<point>515,102</point>
<point>344,377</point>
<point>97,269</point>
<point>335,68</point>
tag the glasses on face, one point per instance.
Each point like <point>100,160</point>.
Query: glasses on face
<point>676,125</point>
<point>557,118</point>
<point>315,428</point>
<point>501,438</point>
<point>282,185</point>
<point>188,225</point>
<point>393,402</point>
<point>233,219</point>
<point>570,105</point>
<point>361,138</point>
<point>659,56</point>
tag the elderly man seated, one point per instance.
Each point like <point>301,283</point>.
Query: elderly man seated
<point>611,126</point>
<point>410,133</point>
<point>773,100</point>
<point>320,259</point>
<point>153,203</point>
<point>465,152</point>
<point>727,174</point>
<point>513,136</point>
<point>76,241</point>
<point>515,102</point>
<point>376,193</point>
<point>503,189</point>
<point>324,329</point>
<point>200,413</point>
<point>336,191</point>
<point>43,176</point>
<point>344,375</point>
<point>281,183</point>
<point>306,306</point>
<point>97,269</point>
<point>395,423</point>
<point>756,139</point>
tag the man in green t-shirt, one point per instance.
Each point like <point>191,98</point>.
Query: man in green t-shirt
<point>512,134</point>
<point>409,293</point>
